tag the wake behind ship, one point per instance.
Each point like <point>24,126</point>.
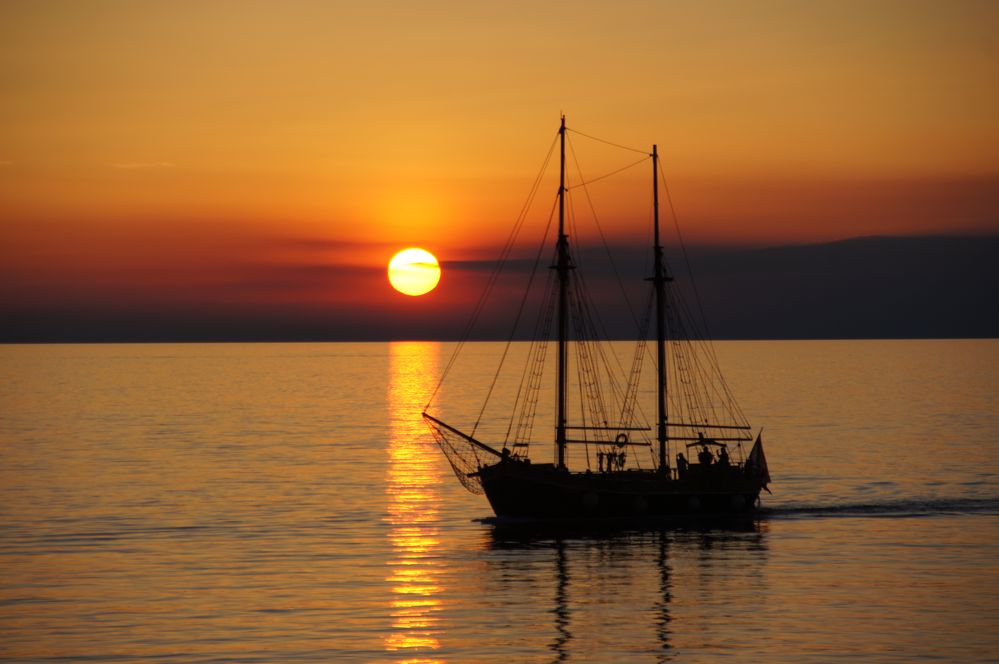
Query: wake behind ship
<point>609,462</point>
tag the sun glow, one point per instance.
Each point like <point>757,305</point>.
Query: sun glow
<point>414,271</point>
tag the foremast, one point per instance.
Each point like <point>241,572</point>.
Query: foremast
<point>562,267</point>
<point>659,280</point>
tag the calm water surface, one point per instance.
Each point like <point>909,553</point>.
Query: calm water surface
<point>282,502</point>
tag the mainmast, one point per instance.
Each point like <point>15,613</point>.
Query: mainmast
<point>659,280</point>
<point>562,268</point>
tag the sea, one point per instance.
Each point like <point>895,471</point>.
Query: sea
<point>285,502</point>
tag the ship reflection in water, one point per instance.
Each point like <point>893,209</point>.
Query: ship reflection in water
<point>592,575</point>
<point>412,481</point>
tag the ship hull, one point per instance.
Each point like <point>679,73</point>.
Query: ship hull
<point>540,491</point>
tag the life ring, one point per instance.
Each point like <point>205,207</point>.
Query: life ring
<point>621,440</point>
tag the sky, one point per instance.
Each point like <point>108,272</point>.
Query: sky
<point>202,168</point>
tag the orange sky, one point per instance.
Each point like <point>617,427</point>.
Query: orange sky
<point>184,149</point>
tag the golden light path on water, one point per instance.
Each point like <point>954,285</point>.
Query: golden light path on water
<point>412,482</point>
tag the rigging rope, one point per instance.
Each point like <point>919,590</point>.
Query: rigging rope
<point>683,249</point>
<point>602,140</point>
<point>712,357</point>
<point>596,317</point>
<point>516,320</point>
<point>524,411</point>
<point>494,275</point>
<point>606,175</point>
<point>600,231</point>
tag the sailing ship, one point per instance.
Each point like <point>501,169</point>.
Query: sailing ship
<point>691,461</point>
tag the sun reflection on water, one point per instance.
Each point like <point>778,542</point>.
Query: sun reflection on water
<point>412,482</point>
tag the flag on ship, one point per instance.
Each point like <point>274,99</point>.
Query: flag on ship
<point>757,462</point>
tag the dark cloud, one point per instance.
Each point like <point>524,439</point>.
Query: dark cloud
<point>289,277</point>
<point>889,287</point>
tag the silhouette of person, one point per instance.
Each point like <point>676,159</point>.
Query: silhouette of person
<point>681,464</point>
<point>704,456</point>
<point>723,457</point>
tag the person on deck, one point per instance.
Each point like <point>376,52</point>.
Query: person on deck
<point>681,465</point>
<point>723,457</point>
<point>704,456</point>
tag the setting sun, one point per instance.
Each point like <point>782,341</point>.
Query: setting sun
<point>414,271</point>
